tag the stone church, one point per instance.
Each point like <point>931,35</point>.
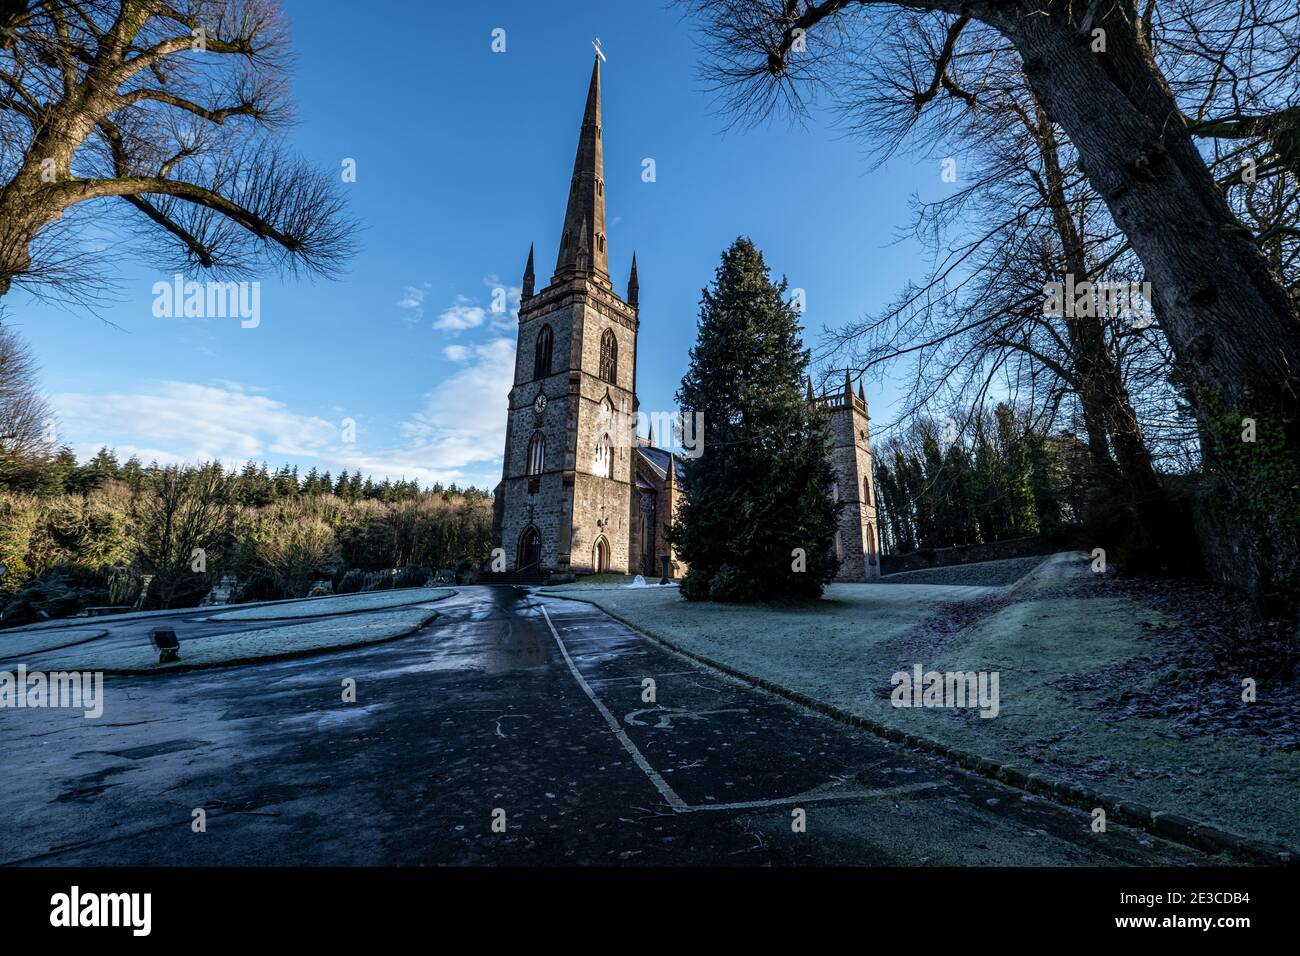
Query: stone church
<point>577,496</point>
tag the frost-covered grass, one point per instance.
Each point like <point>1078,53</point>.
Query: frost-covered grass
<point>86,620</point>
<point>605,581</point>
<point>842,626</point>
<point>291,640</point>
<point>337,604</point>
<point>1055,657</point>
<point>18,645</point>
<point>607,577</point>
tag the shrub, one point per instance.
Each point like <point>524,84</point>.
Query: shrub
<point>259,586</point>
<point>124,586</point>
<point>731,584</point>
<point>60,591</point>
<point>411,576</point>
<point>351,582</point>
<point>379,581</point>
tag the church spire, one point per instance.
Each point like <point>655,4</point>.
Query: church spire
<point>582,262</point>
<point>529,278</point>
<point>848,385</point>
<point>584,217</point>
<point>633,287</point>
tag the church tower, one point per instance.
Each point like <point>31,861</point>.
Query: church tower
<point>563,504</point>
<point>857,544</point>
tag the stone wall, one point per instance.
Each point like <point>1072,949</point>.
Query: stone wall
<point>972,553</point>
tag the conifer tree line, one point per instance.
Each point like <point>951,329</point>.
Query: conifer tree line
<point>938,486</point>
<point>74,535</point>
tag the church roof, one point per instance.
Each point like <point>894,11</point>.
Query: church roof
<point>658,458</point>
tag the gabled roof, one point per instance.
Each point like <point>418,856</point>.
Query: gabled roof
<point>658,458</point>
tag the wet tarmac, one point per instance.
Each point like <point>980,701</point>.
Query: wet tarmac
<point>513,730</point>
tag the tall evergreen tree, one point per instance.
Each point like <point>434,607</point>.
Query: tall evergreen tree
<point>758,520</point>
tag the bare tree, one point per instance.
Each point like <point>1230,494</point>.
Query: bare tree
<point>1024,214</point>
<point>1230,323</point>
<point>297,546</point>
<point>25,441</point>
<point>185,525</point>
<point>163,116</point>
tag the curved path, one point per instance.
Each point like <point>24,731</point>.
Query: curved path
<point>508,704</point>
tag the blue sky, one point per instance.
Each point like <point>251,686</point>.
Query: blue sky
<point>463,157</point>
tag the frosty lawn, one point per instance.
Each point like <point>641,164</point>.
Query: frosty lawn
<point>19,645</point>
<point>83,621</point>
<point>272,643</point>
<point>341,604</point>
<point>844,649</point>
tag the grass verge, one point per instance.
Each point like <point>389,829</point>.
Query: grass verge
<point>246,647</point>
<point>337,604</point>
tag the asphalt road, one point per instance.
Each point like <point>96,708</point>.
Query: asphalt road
<point>511,709</point>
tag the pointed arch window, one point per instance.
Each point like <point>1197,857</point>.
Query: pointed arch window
<point>536,453</point>
<point>542,353</point>
<point>609,357</point>
<point>605,457</point>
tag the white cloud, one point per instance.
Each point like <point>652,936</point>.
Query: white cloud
<point>457,435</point>
<point>457,353</point>
<point>412,301</point>
<point>183,421</point>
<point>461,315</point>
<point>463,420</point>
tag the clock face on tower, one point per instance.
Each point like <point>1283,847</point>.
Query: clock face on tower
<point>539,402</point>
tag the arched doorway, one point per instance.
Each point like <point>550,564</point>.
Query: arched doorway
<point>530,549</point>
<point>600,555</point>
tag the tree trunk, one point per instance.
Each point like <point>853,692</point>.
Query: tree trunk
<point>1228,319</point>
<point>1099,383</point>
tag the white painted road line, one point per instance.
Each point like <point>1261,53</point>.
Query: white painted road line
<point>676,802</point>
<point>816,798</point>
<point>660,783</point>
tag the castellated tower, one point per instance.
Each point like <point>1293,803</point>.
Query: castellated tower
<point>564,501</point>
<point>856,542</point>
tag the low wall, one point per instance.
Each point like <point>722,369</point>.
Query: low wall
<point>972,553</point>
